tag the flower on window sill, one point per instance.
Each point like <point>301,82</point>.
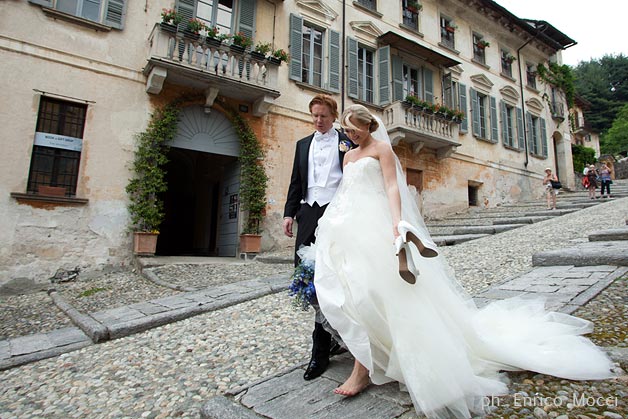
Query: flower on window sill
<point>170,16</point>
<point>281,55</point>
<point>344,146</point>
<point>482,44</point>
<point>509,58</point>
<point>195,26</point>
<point>451,28</point>
<point>240,39</point>
<point>212,31</point>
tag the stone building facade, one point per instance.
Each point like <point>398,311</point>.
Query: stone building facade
<point>79,87</point>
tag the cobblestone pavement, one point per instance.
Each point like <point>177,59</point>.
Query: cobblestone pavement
<point>171,370</point>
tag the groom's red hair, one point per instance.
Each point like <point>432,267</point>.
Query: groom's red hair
<point>327,101</point>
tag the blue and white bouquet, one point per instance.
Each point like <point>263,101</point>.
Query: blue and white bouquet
<point>302,287</point>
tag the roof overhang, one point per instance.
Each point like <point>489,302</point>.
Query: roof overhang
<point>428,54</point>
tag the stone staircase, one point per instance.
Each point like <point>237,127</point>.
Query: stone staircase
<point>478,222</point>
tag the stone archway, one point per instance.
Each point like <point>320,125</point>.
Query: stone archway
<point>203,177</point>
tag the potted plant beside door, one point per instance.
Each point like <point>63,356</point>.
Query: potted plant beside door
<point>253,182</point>
<point>146,207</point>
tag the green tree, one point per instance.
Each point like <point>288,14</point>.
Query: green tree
<point>604,83</point>
<point>616,139</point>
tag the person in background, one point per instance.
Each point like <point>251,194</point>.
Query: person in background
<point>591,182</point>
<point>550,191</point>
<point>605,178</point>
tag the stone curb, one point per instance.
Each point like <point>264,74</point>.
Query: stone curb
<point>152,277</point>
<point>16,361</point>
<point>139,325</point>
<point>92,328</point>
<point>610,235</point>
<point>587,254</point>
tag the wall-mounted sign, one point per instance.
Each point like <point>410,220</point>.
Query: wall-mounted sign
<point>58,141</point>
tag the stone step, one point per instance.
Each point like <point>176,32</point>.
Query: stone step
<point>489,229</point>
<point>550,213</point>
<point>456,239</point>
<point>609,235</point>
<point>523,220</point>
<point>613,253</point>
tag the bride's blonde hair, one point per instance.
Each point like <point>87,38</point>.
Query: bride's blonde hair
<point>359,114</point>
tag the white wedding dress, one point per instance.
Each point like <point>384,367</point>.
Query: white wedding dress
<point>430,336</point>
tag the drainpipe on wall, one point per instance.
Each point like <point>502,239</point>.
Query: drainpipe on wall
<point>274,20</point>
<point>523,102</point>
<point>342,58</point>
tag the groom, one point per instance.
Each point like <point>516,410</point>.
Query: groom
<point>316,174</point>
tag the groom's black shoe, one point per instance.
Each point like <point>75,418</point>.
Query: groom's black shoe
<point>315,368</point>
<point>336,349</point>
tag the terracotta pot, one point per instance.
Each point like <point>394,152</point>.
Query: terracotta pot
<point>250,243</point>
<point>144,244</point>
<point>51,190</point>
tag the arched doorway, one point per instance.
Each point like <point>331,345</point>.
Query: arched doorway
<point>203,176</point>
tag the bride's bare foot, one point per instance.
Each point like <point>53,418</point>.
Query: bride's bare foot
<point>357,381</point>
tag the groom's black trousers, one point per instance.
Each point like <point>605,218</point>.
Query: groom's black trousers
<point>307,218</point>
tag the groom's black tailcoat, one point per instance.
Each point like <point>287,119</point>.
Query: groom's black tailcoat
<point>307,216</point>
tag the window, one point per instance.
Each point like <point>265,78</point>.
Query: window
<point>537,137</point>
<point>507,60</point>
<point>58,143</point>
<point>479,48</point>
<point>312,58</point>
<point>484,116</point>
<point>315,55</point>
<point>447,32</point>
<point>531,75</point>
<point>482,106</point>
<point>512,130</point>
<point>455,97</point>
<point>417,81</point>
<point>106,12</point>
<point>365,75</point>
<point>410,11</point>
<point>216,13</point>
<point>369,4</point>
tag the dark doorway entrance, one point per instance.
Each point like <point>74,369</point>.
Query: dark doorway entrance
<point>192,204</point>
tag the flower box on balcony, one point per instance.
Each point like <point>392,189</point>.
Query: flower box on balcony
<point>258,56</point>
<point>238,49</point>
<point>169,28</point>
<point>213,42</point>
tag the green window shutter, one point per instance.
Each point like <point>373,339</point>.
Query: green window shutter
<point>187,10</point>
<point>46,3</point>
<point>520,129</point>
<point>462,90</point>
<point>543,136</point>
<point>383,55</point>
<point>397,76</point>
<point>334,61</point>
<point>296,47</point>
<point>475,112</point>
<point>115,11</point>
<point>246,20</point>
<point>494,130</point>
<point>504,124</point>
<point>352,67</point>
<point>531,128</point>
<point>428,76</point>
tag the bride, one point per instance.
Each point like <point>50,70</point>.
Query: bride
<point>395,303</point>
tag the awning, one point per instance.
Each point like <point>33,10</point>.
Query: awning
<point>416,49</point>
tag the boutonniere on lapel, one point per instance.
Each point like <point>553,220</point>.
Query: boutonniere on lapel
<point>345,145</point>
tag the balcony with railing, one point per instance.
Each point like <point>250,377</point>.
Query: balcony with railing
<point>558,111</point>
<point>581,125</point>
<point>421,129</point>
<point>211,67</point>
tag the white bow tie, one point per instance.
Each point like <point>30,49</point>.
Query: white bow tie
<point>322,137</point>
